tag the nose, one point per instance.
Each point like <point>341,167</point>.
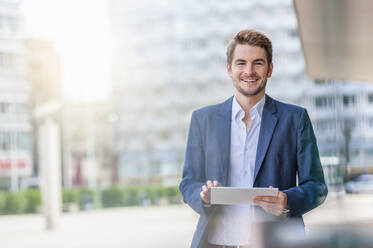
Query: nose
<point>249,69</point>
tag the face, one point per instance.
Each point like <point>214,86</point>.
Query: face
<point>249,70</point>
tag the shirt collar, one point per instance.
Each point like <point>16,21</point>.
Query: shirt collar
<point>259,106</point>
<point>238,113</point>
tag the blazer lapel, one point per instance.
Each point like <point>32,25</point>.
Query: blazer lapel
<point>224,133</point>
<point>268,124</point>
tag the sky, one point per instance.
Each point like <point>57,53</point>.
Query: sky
<point>80,30</point>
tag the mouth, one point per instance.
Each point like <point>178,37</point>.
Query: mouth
<point>250,81</point>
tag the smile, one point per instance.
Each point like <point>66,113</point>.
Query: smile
<point>249,80</point>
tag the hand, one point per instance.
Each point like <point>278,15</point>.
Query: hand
<point>276,205</point>
<point>206,192</point>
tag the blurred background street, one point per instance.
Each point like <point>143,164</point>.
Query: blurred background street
<point>156,227</point>
<point>96,99</point>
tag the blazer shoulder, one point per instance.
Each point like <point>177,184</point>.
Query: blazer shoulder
<point>215,109</point>
<point>289,109</point>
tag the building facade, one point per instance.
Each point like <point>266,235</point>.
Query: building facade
<point>15,125</point>
<point>342,114</point>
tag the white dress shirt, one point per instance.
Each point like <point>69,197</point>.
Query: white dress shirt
<point>232,224</point>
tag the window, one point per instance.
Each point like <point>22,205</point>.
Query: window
<point>4,141</point>
<point>320,81</point>
<point>370,98</point>
<point>24,141</point>
<point>320,102</point>
<point>324,102</point>
<point>293,33</point>
<point>13,24</point>
<point>349,123</point>
<point>2,60</point>
<point>348,100</point>
<point>22,108</point>
<point>320,125</point>
<point>370,123</point>
<point>7,60</point>
<point>369,153</point>
<point>325,126</point>
<point>1,23</point>
<point>4,107</point>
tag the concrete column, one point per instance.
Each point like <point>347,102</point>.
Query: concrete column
<point>50,171</point>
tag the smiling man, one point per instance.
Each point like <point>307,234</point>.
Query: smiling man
<point>250,140</point>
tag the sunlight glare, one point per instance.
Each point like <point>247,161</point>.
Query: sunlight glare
<point>80,30</point>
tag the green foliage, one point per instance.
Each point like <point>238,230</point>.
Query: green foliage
<point>86,198</point>
<point>19,202</point>
<point>16,203</point>
<point>115,196</point>
<point>83,197</point>
<point>70,196</point>
<point>154,193</point>
<point>173,195</point>
<point>132,196</point>
<point>33,200</point>
<point>2,201</point>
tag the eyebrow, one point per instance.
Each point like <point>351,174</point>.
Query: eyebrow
<point>259,60</point>
<point>255,60</point>
<point>239,60</point>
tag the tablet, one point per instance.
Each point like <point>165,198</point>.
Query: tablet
<point>239,195</point>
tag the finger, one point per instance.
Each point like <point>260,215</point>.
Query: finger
<point>209,184</point>
<point>271,208</point>
<point>205,188</point>
<point>282,195</point>
<point>274,211</point>
<point>283,198</point>
<point>205,196</point>
<point>269,199</point>
<point>278,204</point>
<point>216,183</point>
<point>270,205</point>
<point>266,207</point>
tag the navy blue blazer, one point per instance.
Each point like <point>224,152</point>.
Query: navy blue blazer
<point>286,148</point>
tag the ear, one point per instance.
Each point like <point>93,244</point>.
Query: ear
<point>229,70</point>
<point>270,70</point>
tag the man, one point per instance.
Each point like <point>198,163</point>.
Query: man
<point>250,140</point>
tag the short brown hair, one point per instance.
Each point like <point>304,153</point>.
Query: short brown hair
<point>250,37</point>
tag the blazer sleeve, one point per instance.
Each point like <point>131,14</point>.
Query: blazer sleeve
<point>311,190</point>
<point>193,177</point>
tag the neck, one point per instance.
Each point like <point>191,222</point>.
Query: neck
<point>247,102</point>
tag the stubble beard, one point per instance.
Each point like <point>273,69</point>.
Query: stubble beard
<point>254,93</point>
